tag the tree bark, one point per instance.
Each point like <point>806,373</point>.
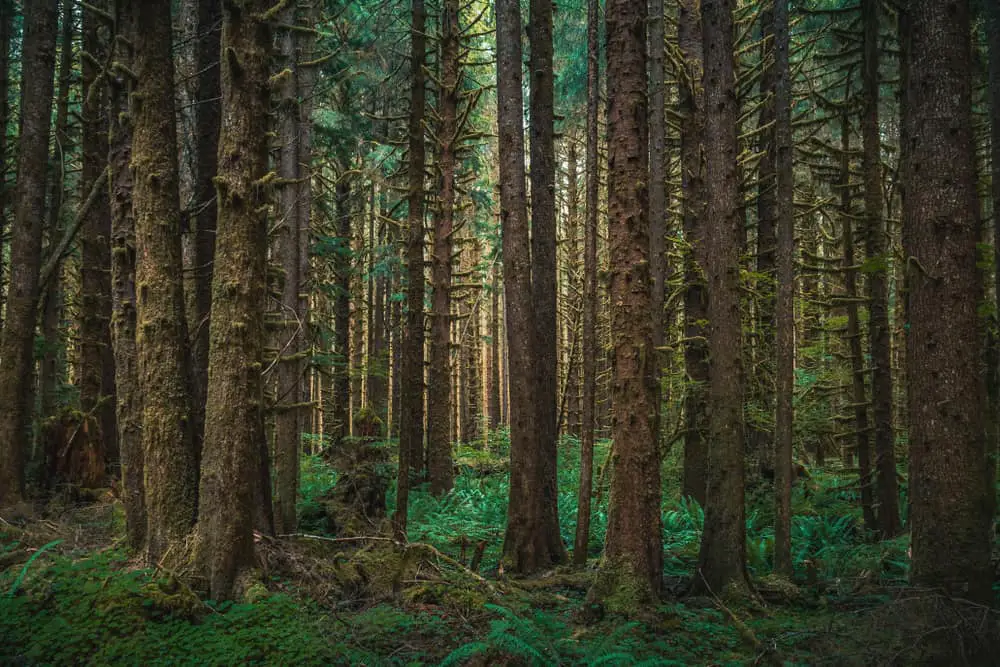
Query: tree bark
<point>657,185</point>
<point>161,336</point>
<point>439,379</point>
<point>949,509</point>
<point>234,450</point>
<point>7,13</point>
<point>17,372</point>
<point>993,33</point>
<point>128,403</point>
<point>411,368</point>
<point>532,540</point>
<point>631,569</point>
<point>589,302</point>
<point>695,296</point>
<point>785,314</point>
<point>723,545</point>
<point>876,250</point>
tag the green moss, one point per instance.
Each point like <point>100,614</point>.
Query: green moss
<point>621,589</point>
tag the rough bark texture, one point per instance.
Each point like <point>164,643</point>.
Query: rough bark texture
<point>96,378</point>
<point>161,336</point>
<point>411,369</point>
<point>234,428</point>
<point>128,403</point>
<point>17,370</point>
<point>993,16</point>
<point>723,544</point>
<point>439,379</point>
<point>631,569</point>
<point>532,540</point>
<point>785,323</point>
<point>543,265</point>
<point>205,208</point>
<point>879,334</point>
<point>949,507</point>
<point>6,28</point>
<point>695,296</point>
<point>589,302</point>
<point>657,174</point>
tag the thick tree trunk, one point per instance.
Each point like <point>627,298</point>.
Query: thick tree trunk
<point>589,301</point>
<point>439,380</point>
<point>411,368</point>
<point>234,449</point>
<point>695,296</point>
<point>161,335</point>
<point>723,545</point>
<point>631,569</point>
<point>949,512</point>
<point>128,403</point>
<point>876,250</point>
<point>7,13</point>
<point>96,378</point>
<point>532,540</point>
<point>205,208</point>
<point>17,371</point>
<point>785,307</point>
<point>657,185</point>
<point>993,16</point>
<point>543,270</point>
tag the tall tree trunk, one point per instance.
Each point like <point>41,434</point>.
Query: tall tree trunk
<point>532,540</point>
<point>234,449</point>
<point>878,287</point>
<point>96,378</point>
<point>439,380</point>
<point>411,368</point>
<point>543,275</point>
<point>723,545</point>
<point>493,409</point>
<point>993,16</point>
<point>574,289</point>
<point>161,336</point>
<point>7,12</point>
<point>657,185</point>
<point>949,507</point>
<point>695,296</point>
<point>128,403</point>
<point>589,302</point>
<point>631,569</point>
<point>785,307</point>
<point>207,123</point>
<point>17,373</point>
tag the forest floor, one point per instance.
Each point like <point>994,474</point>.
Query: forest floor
<point>70,595</point>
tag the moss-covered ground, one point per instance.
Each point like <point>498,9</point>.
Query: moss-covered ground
<point>71,595</point>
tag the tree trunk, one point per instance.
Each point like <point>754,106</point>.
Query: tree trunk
<point>411,368</point>
<point>949,512</point>
<point>993,16</point>
<point>695,296</point>
<point>205,208</point>
<point>96,378</point>
<point>785,307</point>
<point>532,540</point>
<point>723,544</point>
<point>589,301</point>
<point>493,410</point>
<point>631,569</point>
<point>878,287</point>
<point>439,380</point>
<point>234,450</point>
<point>657,186</point>
<point>128,404</point>
<point>161,337</point>
<point>17,372</point>
<point>543,276</point>
<point>7,12</point>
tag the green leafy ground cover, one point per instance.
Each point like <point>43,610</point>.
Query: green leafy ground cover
<point>70,595</point>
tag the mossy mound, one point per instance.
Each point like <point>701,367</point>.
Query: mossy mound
<point>356,505</point>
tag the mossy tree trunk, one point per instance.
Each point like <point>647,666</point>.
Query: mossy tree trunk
<point>631,569</point>
<point>950,510</point>
<point>161,335</point>
<point>17,371</point>
<point>723,545</point>
<point>234,449</point>
<point>6,28</point>
<point>695,296</point>
<point>128,402</point>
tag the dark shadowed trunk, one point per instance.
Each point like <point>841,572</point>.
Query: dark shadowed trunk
<point>949,508</point>
<point>631,569</point>
<point>6,28</point>
<point>17,372</point>
<point>723,545</point>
